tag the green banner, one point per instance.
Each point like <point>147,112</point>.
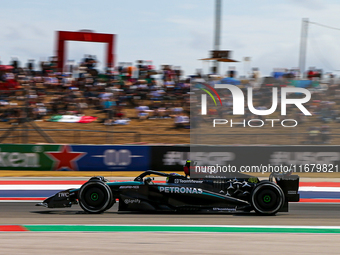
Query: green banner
<point>26,157</point>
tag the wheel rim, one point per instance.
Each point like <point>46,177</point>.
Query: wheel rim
<point>267,198</point>
<point>94,196</point>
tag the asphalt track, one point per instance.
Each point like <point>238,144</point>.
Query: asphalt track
<point>300,214</point>
<point>303,214</point>
<point>306,214</point>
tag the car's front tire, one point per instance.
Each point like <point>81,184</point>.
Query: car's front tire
<point>95,197</point>
<point>267,198</point>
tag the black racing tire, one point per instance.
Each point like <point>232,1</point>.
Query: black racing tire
<point>113,201</point>
<point>267,198</point>
<point>95,197</point>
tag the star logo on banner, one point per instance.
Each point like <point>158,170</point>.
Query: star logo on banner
<point>65,158</point>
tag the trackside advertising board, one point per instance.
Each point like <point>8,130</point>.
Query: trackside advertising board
<point>74,157</point>
<point>168,158</point>
<point>325,159</point>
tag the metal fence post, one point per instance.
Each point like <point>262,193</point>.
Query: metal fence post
<point>107,134</point>
<point>137,137</point>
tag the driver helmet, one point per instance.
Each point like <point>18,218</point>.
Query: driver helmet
<point>186,168</point>
<point>149,180</point>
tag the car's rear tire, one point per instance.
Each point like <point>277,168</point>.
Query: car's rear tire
<point>267,198</point>
<point>95,197</point>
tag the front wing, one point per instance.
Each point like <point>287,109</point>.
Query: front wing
<point>61,199</point>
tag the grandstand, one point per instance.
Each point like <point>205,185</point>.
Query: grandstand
<point>139,104</point>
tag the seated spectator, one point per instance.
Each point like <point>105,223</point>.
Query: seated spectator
<point>157,94</point>
<point>160,111</point>
<point>163,111</point>
<point>313,136</point>
<point>40,111</point>
<point>119,113</point>
<point>120,117</point>
<point>142,112</point>
<point>177,110</point>
<point>168,83</point>
<point>81,106</point>
<point>51,80</point>
<point>182,121</point>
<point>121,122</point>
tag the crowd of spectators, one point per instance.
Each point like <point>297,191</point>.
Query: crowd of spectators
<point>318,135</point>
<point>41,92</point>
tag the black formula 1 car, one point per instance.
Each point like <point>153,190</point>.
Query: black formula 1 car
<point>239,193</point>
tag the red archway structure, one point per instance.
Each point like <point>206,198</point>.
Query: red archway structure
<point>84,37</point>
